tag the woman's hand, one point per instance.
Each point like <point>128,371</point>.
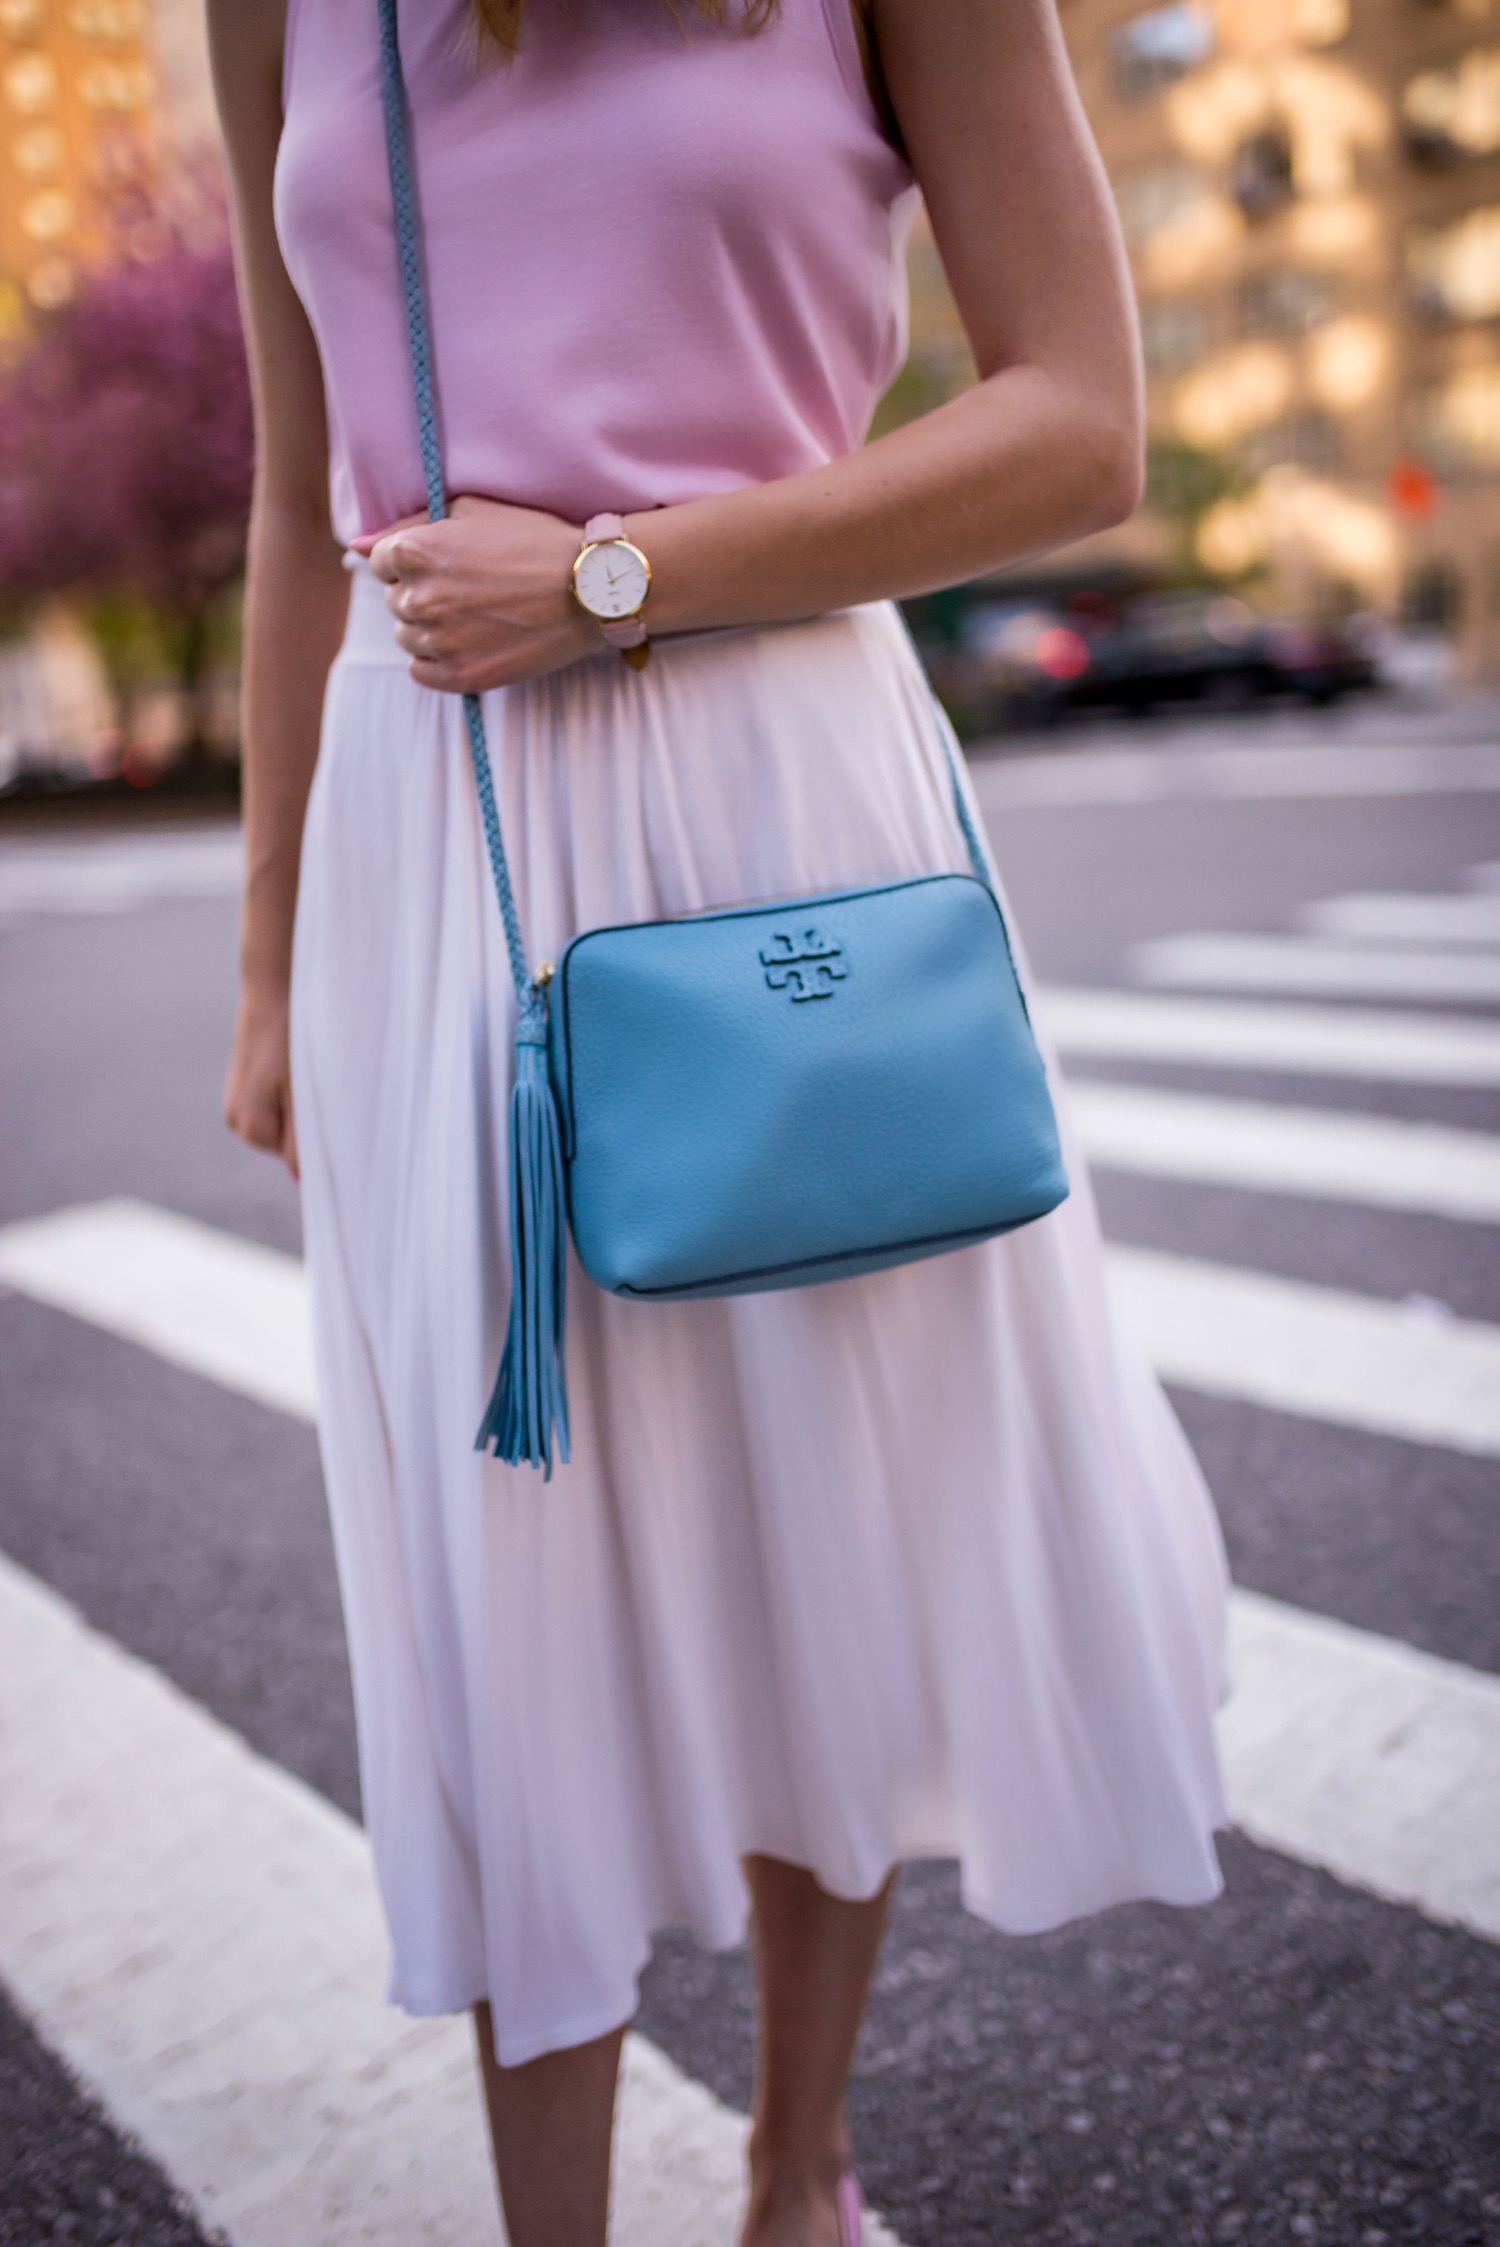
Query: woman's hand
<point>258,1086</point>
<point>483,598</point>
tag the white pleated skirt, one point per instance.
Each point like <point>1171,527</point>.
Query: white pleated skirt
<point>917,1564</point>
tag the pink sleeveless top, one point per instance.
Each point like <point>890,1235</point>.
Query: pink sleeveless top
<point>663,261</point>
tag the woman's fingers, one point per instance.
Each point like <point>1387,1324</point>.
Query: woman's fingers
<point>289,1137</point>
<point>258,1117</point>
<point>406,551</point>
<point>421,640</point>
<point>481,598</point>
<point>367,541</point>
<point>392,557</point>
<point>412,602</point>
<point>257,1083</point>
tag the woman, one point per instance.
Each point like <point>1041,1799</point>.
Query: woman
<point>910,1564</point>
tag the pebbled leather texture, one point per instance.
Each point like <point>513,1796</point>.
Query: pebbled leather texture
<point>782,1094</point>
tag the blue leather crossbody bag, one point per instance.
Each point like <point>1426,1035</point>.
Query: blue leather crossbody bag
<point>767,1096</point>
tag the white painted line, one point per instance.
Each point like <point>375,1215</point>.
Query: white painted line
<point>195,1931</point>
<point>1075,777</point>
<point>237,1314</point>
<point>198,1935</point>
<point>1283,1150</point>
<point>1402,917</point>
<point>1325,1041</point>
<point>1305,963</point>
<point>1361,1755</point>
<point>1392,1368</point>
<point>112,874</point>
<point>204,1299</point>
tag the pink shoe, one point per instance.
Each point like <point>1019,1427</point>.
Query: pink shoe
<point>851,2211</point>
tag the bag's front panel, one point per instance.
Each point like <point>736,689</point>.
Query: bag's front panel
<point>835,1083</point>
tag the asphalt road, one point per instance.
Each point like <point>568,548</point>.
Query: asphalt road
<point>1299,2062</point>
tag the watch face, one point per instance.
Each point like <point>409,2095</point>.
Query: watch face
<point>612,579</point>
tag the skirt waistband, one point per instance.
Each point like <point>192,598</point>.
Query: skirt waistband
<point>370,634</point>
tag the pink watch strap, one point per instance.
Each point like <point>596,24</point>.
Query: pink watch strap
<point>629,631</point>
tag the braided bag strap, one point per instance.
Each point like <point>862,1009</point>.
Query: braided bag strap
<point>409,256</point>
<point>527,1415</point>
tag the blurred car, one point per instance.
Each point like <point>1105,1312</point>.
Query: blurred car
<point>1025,657</point>
<point>1320,663</point>
<point>1414,661</point>
<point>1030,663</point>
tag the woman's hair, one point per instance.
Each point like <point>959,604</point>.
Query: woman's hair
<point>499,21</point>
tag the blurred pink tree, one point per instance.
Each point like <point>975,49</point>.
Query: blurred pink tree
<point>126,448</point>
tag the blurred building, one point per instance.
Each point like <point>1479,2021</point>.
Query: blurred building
<point>78,93</point>
<point>95,95</point>
<point>1310,191</point>
<point>179,39</point>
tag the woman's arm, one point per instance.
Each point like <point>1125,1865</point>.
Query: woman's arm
<point>296,590</point>
<point>1047,445</point>
<point>1045,448</point>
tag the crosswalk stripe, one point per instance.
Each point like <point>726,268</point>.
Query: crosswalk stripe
<point>209,1966</point>
<point>1364,1756</point>
<point>198,1935</point>
<point>237,1313</point>
<point>1229,771</point>
<point>109,874</point>
<point>1309,963</point>
<point>1401,917</point>
<point>1285,1150</point>
<point>1370,1043</point>
<point>207,1300</point>
<point>1391,1368</point>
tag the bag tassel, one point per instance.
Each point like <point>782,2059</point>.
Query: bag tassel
<point>527,1415</point>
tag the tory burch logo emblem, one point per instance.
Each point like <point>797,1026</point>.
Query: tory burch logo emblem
<point>808,965</point>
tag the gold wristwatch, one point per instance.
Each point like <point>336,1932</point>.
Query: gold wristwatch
<point>611,579</point>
